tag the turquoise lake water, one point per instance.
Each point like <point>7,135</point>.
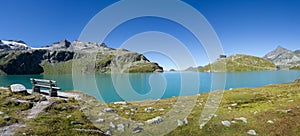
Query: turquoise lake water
<point>116,87</point>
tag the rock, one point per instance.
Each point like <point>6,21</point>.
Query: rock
<point>120,103</point>
<point>109,110</point>
<point>120,127</point>
<point>100,113</point>
<point>140,124</point>
<point>213,115</point>
<point>133,109</point>
<point>229,108</point>
<point>83,108</point>
<point>241,119</point>
<point>64,108</point>
<point>75,107</point>
<point>270,122</point>
<point>290,100</point>
<point>161,109</point>
<point>226,123</point>
<point>185,121</point>
<point>112,125</point>
<point>16,88</point>
<point>6,118</point>
<point>149,109</point>
<point>179,122</point>
<point>100,120</point>
<point>286,111</point>
<point>137,130</point>
<point>233,122</point>
<point>233,105</point>
<point>251,132</point>
<point>107,132</point>
<point>76,123</point>
<point>155,120</point>
<point>1,112</point>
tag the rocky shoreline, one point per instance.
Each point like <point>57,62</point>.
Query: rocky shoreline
<point>268,110</point>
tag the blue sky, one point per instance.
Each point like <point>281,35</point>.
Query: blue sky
<point>244,26</point>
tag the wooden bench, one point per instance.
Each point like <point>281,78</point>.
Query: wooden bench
<point>43,83</point>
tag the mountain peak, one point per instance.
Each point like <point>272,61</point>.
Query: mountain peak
<point>277,52</point>
<point>280,48</point>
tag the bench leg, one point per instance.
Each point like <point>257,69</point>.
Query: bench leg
<point>52,92</point>
<point>36,89</point>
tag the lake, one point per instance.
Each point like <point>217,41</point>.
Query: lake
<point>141,86</point>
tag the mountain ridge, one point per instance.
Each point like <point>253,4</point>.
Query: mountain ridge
<point>283,57</point>
<point>237,63</point>
<point>59,57</point>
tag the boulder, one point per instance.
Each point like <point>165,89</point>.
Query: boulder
<point>270,122</point>
<point>251,132</point>
<point>226,123</point>
<point>155,120</point>
<point>109,110</point>
<point>137,130</point>
<point>17,88</point>
<point>120,127</point>
<point>241,119</point>
<point>107,132</point>
<point>112,125</point>
<point>149,109</point>
<point>185,121</point>
<point>7,118</point>
<point>100,120</point>
<point>120,103</point>
<point>179,122</point>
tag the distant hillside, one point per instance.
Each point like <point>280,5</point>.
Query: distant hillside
<point>19,58</point>
<point>239,62</point>
<point>193,68</point>
<point>284,58</point>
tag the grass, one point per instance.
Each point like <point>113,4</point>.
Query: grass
<point>239,62</point>
<point>295,68</point>
<point>143,67</point>
<point>258,105</point>
<point>57,68</point>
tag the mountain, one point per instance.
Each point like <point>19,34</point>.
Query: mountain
<point>60,57</point>
<point>193,68</point>
<point>239,62</point>
<point>283,57</point>
<point>8,45</point>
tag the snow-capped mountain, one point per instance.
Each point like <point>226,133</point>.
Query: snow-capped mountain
<point>7,45</point>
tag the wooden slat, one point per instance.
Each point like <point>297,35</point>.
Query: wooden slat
<point>47,86</point>
<point>43,80</point>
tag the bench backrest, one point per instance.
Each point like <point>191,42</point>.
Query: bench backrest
<point>43,82</point>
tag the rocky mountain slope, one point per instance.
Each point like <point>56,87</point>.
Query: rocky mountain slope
<point>58,58</point>
<point>239,62</point>
<point>8,45</point>
<point>283,57</point>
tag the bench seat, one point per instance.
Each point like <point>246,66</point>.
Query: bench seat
<point>51,84</point>
<point>46,86</point>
